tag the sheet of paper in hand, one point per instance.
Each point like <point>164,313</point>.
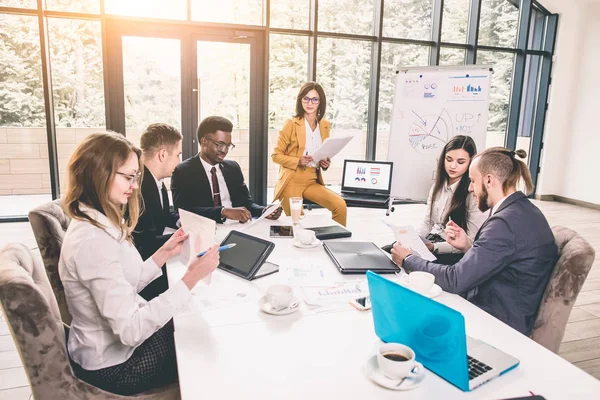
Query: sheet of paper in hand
<point>409,238</point>
<point>201,233</point>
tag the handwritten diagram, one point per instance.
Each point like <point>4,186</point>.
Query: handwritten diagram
<point>429,133</point>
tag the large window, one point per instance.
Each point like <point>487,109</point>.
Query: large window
<point>498,24</point>
<point>499,94</point>
<point>407,19</point>
<point>346,16</point>
<point>77,83</point>
<point>343,69</point>
<point>24,168</point>
<point>455,21</point>
<point>230,11</point>
<point>351,47</point>
<point>288,70</point>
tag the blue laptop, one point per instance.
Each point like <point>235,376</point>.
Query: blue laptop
<point>436,333</point>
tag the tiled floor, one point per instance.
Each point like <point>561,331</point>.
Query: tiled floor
<point>581,343</point>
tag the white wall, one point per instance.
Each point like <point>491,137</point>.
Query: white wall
<point>572,135</point>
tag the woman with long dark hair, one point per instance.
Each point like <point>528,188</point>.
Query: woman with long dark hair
<point>449,199</point>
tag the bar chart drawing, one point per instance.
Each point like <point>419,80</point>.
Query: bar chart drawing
<point>467,89</point>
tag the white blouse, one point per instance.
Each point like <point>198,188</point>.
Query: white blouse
<point>313,142</point>
<point>435,223</point>
<point>102,276</point>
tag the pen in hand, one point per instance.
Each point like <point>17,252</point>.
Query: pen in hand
<point>222,248</point>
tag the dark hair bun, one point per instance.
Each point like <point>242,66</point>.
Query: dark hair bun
<point>521,153</point>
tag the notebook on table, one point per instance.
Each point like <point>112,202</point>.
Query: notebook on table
<point>359,257</point>
<point>367,182</point>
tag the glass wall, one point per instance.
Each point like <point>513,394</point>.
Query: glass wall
<point>77,84</point>
<point>335,42</point>
<point>24,166</point>
<point>343,69</point>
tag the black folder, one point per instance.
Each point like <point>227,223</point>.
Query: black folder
<point>359,257</point>
<point>330,232</point>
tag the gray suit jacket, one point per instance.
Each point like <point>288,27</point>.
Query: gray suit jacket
<point>510,263</point>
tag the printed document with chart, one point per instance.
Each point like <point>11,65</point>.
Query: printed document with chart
<point>409,238</point>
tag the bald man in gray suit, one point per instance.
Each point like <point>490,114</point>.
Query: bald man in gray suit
<point>506,269</point>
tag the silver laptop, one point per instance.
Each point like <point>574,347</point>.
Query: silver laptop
<point>367,182</point>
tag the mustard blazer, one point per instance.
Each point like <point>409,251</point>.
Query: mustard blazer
<point>290,148</point>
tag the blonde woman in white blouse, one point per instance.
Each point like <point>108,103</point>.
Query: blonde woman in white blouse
<point>118,341</point>
<point>449,199</point>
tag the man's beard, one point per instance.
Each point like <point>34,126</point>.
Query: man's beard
<point>482,199</point>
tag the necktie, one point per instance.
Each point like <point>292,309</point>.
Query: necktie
<point>165,198</point>
<point>215,185</point>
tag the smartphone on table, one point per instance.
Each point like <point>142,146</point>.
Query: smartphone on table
<point>362,303</point>
<point>281,231</point>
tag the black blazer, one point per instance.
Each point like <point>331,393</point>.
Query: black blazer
<point>191,189</point>
<point>147,235</point>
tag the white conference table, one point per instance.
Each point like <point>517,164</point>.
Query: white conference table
<point>239,352</point>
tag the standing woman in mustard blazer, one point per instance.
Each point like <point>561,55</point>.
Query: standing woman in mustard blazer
<point>300,137</point>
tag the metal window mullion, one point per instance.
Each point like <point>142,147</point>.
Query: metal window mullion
<point>436,32</point>
<point>373,111</point>
<point>540,114</point>
<point>518,75</point>
<point>473,31</point>
<point>312,42</point>
<point>189,95</point>
<point>259,125</point>
<point>48,102</point>
<point>114,92</point>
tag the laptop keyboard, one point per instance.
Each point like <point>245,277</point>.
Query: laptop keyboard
<point>476,367</point>
<point>366,199</point>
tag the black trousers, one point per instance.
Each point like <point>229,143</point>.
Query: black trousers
<point>152,365</point>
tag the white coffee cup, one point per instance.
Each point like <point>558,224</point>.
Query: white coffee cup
<point>421,282</point>
<point>399,362</point>
<point>279,296</point>
<point>305,236</point>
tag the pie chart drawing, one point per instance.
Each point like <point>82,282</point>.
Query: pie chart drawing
<point>429,132</point>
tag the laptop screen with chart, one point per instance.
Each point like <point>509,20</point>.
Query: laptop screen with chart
<point>368,177</point>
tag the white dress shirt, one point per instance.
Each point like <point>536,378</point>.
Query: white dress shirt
<point>498,204</point>
<point>223,190</point>
<point>313,142</point>
<point>102,276</point>
<point>435,223</point>
<point>159,184</point>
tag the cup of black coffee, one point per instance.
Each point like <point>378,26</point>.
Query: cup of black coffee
<point>396,361</point>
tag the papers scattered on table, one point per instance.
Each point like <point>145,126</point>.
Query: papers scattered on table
<point>333,298</point>
<point>408,237</point>
<point>304,275</point>
<point>330,148</point>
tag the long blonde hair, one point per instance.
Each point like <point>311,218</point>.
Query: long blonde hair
<point>92,169</point>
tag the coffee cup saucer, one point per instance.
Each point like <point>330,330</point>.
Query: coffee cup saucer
<point>266,307</point>
<point>374,373</point>
<point>435,290</point>
<point>315,243</point>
